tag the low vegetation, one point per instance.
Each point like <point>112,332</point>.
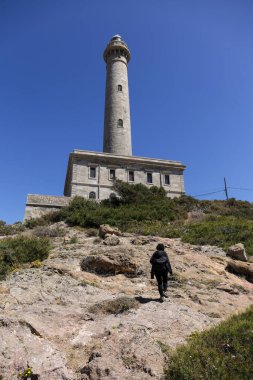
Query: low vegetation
<point>222,231</point>
<point>147,211</point>
<point>46,231</point>
<point>10,229</point>
<point>117,306</point>
<point>222,353</point>
<point>21,250</point>
<point>46,220</point>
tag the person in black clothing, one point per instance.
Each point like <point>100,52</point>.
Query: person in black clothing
<point>160,269</point>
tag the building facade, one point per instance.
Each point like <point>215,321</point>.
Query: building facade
<point>92,174</point>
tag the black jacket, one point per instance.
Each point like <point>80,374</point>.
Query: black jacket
<point>160,262</point>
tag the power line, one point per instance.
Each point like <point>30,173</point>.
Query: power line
<point>222,191</point>
<point>213,192</point>
<point>225,190</point>
<point>239,188</point>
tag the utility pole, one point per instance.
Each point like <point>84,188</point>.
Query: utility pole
<point>226,189</point>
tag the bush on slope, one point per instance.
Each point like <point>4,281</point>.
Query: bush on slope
<point>224,352</point>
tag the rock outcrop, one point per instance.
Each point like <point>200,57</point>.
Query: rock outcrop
<point>111,240</point>
<point>112,261</point>
<point>140,240</point>
<point>21,342</point>
<point>237,252</point>
<point>105,321</point>
<point>241,269</point>
<point>105,229</point>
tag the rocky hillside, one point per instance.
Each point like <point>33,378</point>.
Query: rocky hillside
<point>90,311</point>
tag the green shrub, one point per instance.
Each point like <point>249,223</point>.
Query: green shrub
<point>90,214</point>
<point>10,229</point>
<point>44,220</point>
<point>73,240</point>
<point>221,231</point>
<point>20,250</point>
<point>46,231</point>
<point>5,229</point>
<point>222,353</point>
<point>35,222</point>
<point>142,205</point>
<point>148,211</point>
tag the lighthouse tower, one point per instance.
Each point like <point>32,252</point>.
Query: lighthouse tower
<point>117,125</point>
<point>92,174</point>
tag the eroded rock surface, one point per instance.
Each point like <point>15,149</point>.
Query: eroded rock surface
<point>105,229</point>
<point>113,260</point>
<point>241,269</point>
<point>49,318</point>
<point>111,240</point>
<point>237,252</point>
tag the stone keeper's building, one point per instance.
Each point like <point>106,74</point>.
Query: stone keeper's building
<point>91,174</point>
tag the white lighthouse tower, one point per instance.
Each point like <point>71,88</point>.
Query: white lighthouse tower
<point>117,125</point>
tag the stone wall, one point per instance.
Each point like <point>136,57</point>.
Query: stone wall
<point>38,205</point>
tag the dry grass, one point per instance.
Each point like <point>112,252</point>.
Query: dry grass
<point>117,306</point>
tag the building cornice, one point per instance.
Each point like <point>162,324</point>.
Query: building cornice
<point>126,159</point>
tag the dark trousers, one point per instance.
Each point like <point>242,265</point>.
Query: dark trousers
<point>162,280</point>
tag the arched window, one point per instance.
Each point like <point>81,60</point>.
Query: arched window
<point>119,87</point>
<point>92,195</point>
<point>120,123</point>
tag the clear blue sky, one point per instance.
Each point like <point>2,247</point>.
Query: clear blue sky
<point>190,78</point>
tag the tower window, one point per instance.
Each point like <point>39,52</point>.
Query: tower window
<point>92,195</point>
<point>166,179</point>
<point>112,174</point>
<point>120,123</point>
<point>131,176</point>
<point>93,172</point>
<point>119,87</point>
<point>149,178</point>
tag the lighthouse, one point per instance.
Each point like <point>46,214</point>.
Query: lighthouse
<point>117,124</point>
<point>92,175</point>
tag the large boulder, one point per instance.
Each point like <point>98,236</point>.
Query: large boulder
<point>112,261</point>
<point>105,229</point>
<point>237,252</point>
<point>111,240</point>
<point>241,269</point>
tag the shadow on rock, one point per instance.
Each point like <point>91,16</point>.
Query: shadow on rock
<point>144,300</point>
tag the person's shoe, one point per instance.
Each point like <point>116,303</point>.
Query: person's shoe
<point>161,299</point>
<point>165,295</point>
